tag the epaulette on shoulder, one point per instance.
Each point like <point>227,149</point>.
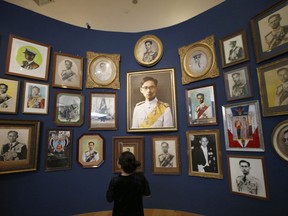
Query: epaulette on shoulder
<point>142,102</point>
<point>164,104</point>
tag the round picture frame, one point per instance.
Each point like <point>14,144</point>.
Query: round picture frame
<point>148,50</point>
<point>280,139</point>
<point>102,70</point>
<point>198,60</point>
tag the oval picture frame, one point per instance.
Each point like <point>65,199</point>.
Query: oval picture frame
<point>102,70</point>
<point>143,56</point>
<point>280,147</point>
<point>198,60</point>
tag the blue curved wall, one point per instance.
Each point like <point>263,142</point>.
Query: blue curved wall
<point>83,190</point>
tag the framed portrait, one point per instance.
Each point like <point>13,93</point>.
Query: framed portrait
<point>27,58</point>
<point>22,155</point>
<point>69,109</point>
<point>204,153</point>
<point>198,60</point>
<point>247,176</point>
<point>165,155</point>
<point>91,150</point>
<point>103,113</point>
<point>242,127</point>
<point>234,49</point>
<point>148,50</point>
<point>273,87</point>
<point>151,101</point>
<point>280,139</point>
<point>134,144</point>
<point>58,149</point>
<point>102,70</point>
<point>201,106</point>
<point>67,71</point>
<point>238,83</point>
<point>36,98</point>
<point>267,43</point>
<point>9,95</point>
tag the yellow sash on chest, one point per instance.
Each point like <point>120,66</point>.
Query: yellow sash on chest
<point>150,119</point>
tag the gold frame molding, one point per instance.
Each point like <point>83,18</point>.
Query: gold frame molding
<point>93,60</point>
<point>209,67</point>
<point>139,50</point>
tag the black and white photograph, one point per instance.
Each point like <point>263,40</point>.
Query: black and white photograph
<point>247,176</point>
<point>9,95</point>
<point>204,153</point>
<point>238,83</point>
<point>103,111</point>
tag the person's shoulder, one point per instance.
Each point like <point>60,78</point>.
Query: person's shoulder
<point>163,103</point>
<point>140,103</point>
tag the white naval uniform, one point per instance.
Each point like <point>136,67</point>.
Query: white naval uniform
<point>145,111</point>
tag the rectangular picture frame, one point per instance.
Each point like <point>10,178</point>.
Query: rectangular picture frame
<point>234,49</point>
<point>69,109</point>
<point>201,106</point>
<point>67,71</point>
<point>243,127</point>
<point>161,115</point>
<point>165,155</point>
<point>103,114</point>
<point>36,98</point>
<point>59,149</point>
<point>273,87</point>
<point>238,83</point>
<point>247,176</point>
<point>134,144</point>
<point>27,58</point>
<point>9,95</point>
<point>23,156</point>
<point>267,44</point>
<point>197,164</point>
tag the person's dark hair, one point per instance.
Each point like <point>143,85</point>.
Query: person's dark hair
<point>128,162</point>
<point>244,161</point>
<point>148,41</point>
<point>145,79</point>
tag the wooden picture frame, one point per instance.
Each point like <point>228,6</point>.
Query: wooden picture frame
<point>243,127</point>
<point>266,44</point>
<point>67,71</point>
<point>201,106</point>
<point>273,87</point>
<point>23,156</point>
<point>237,83</point>
<point>9,95</point>
<point>254,184</point>
<point>59,149</point>
<point>91,150</point>
<point>148,50</point>
<point>134,144</point>
<point>280,139</point>
<point>27,58</point>
<point>197,164</point>
<point>166,156</point>
<point>36,98</point>
<point>102,70</point>
<point>69,109</point>
<point>234,49</point>
<point>162,83</point>
<point>103,114</point>
<point>198,60</point>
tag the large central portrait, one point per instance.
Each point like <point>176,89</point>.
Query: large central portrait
<point>151,101</point>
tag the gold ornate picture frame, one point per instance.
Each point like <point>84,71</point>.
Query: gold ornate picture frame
<point>148,50</point>
<point>198,60</point>
<point>102,70</point>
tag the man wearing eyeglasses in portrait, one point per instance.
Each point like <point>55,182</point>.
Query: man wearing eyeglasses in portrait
<point>247,183</point>
<point>151,113</point>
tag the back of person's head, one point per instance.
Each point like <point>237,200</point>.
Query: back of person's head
<point>128,162</point>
